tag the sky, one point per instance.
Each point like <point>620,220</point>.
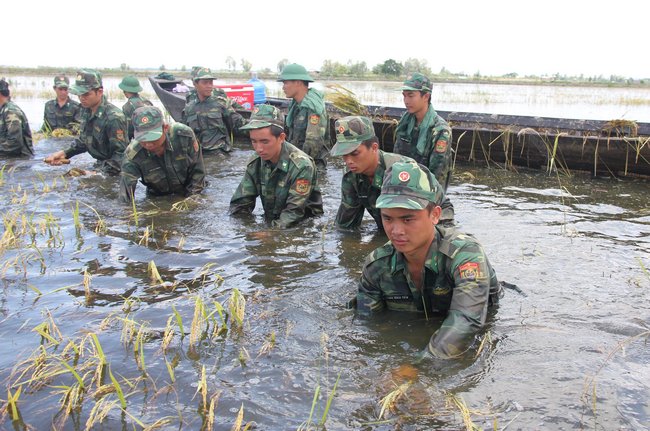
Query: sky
<point>566,37</point>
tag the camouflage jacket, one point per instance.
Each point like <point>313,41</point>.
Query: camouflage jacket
<point>358,193</point>
<point>180,170</point>
<point>307,125</point>
<point>103,135</point>
<point>213,121</point>
<point>288,190</point>
<point>459,283</point>
<point>133,103</point>
<point>15,134</point>
<point>436,152</point>
<point>67,116</point>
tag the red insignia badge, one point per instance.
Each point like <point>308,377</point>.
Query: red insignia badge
<point>144,120</point>
<point>120,134</point>
<point>196,146</point>
<point>302,186</point>
<point>314,119</point>
<point>441,146</point>
<point>341,129</point>
<point>469,271</point>
<point>404,176</point>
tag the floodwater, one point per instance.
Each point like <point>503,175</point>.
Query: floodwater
<point>571,352</point>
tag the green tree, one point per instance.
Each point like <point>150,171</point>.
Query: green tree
<point>162,68</point>
<point>281,64</point>
<point>246,65</point>
<point>124,66</point>
<point>412,65</point>
<point>391,67</point>
<point>358,69</point>
<point>231,63</point>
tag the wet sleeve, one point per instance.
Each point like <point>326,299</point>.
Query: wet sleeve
<point>315,135</point>
<point>117,141</point>
<point>300,188</point>
<point>471,274</point>
<point>129,176</point>
<point>14,140</point>
<point>243,200</point>
<point>196,174</point>
<point>350,211</point>
<point>369,294</point>
<point>234,120</point>
<point>77,147</point>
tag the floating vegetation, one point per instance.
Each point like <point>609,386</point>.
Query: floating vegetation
<point>345,100</point>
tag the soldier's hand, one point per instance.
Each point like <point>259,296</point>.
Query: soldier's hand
<point>57,159</point>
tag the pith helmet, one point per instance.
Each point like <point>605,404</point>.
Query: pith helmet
<point>350,133</point>
<point>130,84</point>
<point>409,185</point>
<point>294,72</point>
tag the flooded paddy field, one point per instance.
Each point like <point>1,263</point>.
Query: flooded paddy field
<point>173,315</point>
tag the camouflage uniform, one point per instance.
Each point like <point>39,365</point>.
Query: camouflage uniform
<point>102,134</point>
<point>358,191</point>
<point>458,281</point>
<point>15,134</point>
<point>288,189</point>
<point>307,125</point>
<point>67,116</point>
<point>214,119</point>
<point>433,149</point>
<point>307,122</point>
<point>180,170</point>
<point>133,103</point>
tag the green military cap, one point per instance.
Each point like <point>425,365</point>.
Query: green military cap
<point>408,185</point>
<point>61,81</point>
<point>130,84</point>
<point>350,133</point>
<point>203,73</point>
<point>417,82</point>
<point>87,79</point>
<point>147,123</point>
<point>265,116</point>
<point>294,72</point>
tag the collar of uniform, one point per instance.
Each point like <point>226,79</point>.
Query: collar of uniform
<point>100,109</point>
<point>283,160</point>
<point>398,263</point>
<point>379,172</point>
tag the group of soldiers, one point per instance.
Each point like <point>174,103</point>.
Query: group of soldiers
<point>427,267</point>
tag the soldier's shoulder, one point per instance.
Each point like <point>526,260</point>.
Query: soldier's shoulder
<point>181,129</point>
<point>453,241</point>
<point>113,112</point>
<point>132,150</point>
<point>299,157</point>
<point>379,255</point>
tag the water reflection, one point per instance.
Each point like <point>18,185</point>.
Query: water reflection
<point>576,246</point>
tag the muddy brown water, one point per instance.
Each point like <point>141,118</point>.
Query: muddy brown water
<point>562,356</point>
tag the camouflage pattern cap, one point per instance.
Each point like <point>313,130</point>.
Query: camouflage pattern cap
<point>61,81</point>
<point>87,79</point>
<point>4,85</point>
<point>265,116</point>
<point>408,185</point>
<point>350,133</point>
<point>147,124</point>
<point>416,82</point>
<point>203,73</point>
<point>130,84</point>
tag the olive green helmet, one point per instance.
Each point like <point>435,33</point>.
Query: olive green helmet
<point>294,72</point>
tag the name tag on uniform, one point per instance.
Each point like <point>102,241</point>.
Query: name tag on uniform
<point>398,298</point>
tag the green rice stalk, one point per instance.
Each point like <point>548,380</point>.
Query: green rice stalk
<point>170,371</point>
<point>239,420</point>
<point>345,100</point>
<point>168,335</point>
<point>196,330</point>
<point>154,275</point>
<point>202,388</point>
<point>643,268</point>
<point>329,402</point>
<point>389,402</point>
<point>118,389</point>
<point>75,217</point>
<point>12,403</point>
<point>134,210</point>
<point>100,227</point>
<point>465,413</point>
<point>138,348</point>
<point>75,374</point>
<point>179,321</point>
<point>99,412</point>
<point>237,307</point>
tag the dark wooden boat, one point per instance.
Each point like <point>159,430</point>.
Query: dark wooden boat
<point>604,148</point>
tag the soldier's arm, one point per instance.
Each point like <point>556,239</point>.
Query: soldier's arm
<point>468,310</point>
<point>129,176</point>
<point>243,200</point>
<point>14,140</point>
<point>196,175</point>
<point>117,140</point>
<point>315,134</point>
<point>234,120</point>
<point>350,211</point>
<point>369,294</point>
<point>300,189</point>
<point>440,159</point>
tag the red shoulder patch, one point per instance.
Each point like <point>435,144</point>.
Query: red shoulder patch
<point>120,134</point>
<point>302,186</point>
<point>314,119</point>
<point>469,271</point>
<point>441,146</point>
